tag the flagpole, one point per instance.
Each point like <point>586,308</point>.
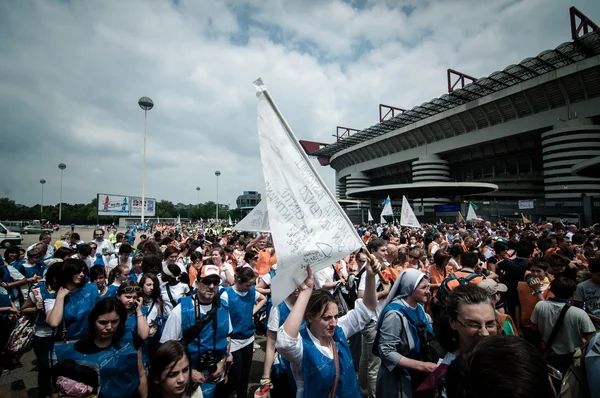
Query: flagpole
<point>258,83</point>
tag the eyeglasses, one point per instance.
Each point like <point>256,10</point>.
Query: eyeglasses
<point>209,282</point>
<point>415,257</point>
<point>132,289</point>
<point>476,327</point>
<point>98,234</point>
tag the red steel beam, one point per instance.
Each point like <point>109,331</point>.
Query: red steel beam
<point>345,132</point>
<point>583,24</point>
<point>311,146</point>
<point>390,110</point>
<point>460,79</point>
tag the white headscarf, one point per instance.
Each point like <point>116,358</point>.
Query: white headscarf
<point>406,283</point>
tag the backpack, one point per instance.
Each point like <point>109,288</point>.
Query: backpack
<point>453,281</point>
<point>353,283</point>
<point>575,382</point>
<point>21,337</point>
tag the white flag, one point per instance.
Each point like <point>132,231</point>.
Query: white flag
<point>387,210</point>
<point>229,219</point>
<point>407,216</point>
<point>178,220</point>
<point>370,216</point>
<point>256,221</point>
<point>471,213</point>
<point>308,226</point>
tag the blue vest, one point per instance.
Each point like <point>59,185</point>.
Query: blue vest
<point>117,368</point>
<point>99,260</point>
<point>78,305</point>
<point>5,301</point>
<point>414,316</point>
<point>45,294</point>
<point>240,311</point>
<point>284,364</point>
<point>13,292</point>
<point>111,291</point>
<point>205,341</point>
<point>131,329</point>
<point>35,269</point>
<point>319,370</point>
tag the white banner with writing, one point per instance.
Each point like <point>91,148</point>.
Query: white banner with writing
<point>308,226</point>
<point>256,221</point>
<point>407,216</point>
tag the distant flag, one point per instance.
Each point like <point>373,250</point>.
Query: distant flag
<point>229,219</point>
<point>525,219</point>
<point>308,226</point>
<point>407,216</point>
<point>256,221</point>
<point>471,215</point>
<point>460,217</point>
<point>370,217</point>
<point>441,222</point>
<point>387,210</point>
<point>178,219</point>
<point>158,220</point>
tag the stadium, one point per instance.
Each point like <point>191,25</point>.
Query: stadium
<point>522,140</point>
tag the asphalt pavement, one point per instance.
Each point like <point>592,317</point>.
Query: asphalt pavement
<point>22,382</point>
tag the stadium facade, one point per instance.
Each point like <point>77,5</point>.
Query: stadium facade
<point>530,131</point>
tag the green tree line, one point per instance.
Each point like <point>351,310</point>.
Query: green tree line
<point>87,213</point>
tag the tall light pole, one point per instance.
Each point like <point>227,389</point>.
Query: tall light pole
<point>217,173</point>
<point>62,168</point>
<point>146,104</point>
<point>198,196</point>
<point>42,181</point>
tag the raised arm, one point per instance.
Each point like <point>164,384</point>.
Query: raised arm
<point>292,324</point>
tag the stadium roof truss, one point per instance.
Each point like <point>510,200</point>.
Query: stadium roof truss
<point>551,94</point>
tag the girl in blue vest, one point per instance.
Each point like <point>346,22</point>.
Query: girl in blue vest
<point>319,353</point>
<point>117,359</point>
<point>130,295</point>
<point>116,276</point>
<point>68,311</point>
<point>278,376</point>
<point>243,301</point>
<point>202,322</point>
<point>43,340</point>
<point>397,342</point>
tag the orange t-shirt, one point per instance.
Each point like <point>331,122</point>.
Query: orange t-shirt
<point>265,261</point>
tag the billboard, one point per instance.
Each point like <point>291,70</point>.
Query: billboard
<point>113,205</point>
<point>136,206</point>
<point>450,208</point>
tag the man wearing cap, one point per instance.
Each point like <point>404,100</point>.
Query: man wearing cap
<point>203,324</point>
<point>506,325</point>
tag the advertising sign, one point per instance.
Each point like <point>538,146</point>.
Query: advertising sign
<point>450,208</point>
<point>113,205</point>
<point>136,206</point>
<point>526,204</point>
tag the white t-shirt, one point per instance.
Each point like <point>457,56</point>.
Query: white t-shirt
<point>273,322</point>
<point>178,291</point>
<point>41,330</point>
<point>292,349</point>
<point>172,330</point>
<point>361,287</point>
<point>324,276</point>
<point>114,262</point>
<point>238,344</point>
<point>228,267</point>
<point>105,244</point>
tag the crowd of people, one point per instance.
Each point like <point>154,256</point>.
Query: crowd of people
<point>446,310</point>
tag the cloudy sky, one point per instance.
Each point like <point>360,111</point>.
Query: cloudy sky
<point>71,73</point>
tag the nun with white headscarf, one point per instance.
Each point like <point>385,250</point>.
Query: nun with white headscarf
<point>397,342</point>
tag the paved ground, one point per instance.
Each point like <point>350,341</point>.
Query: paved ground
<point>27,375</point>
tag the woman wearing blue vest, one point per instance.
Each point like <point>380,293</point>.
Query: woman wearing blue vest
<point>243,301</point>
<point>397,342</point>
<point>319,353</point>
<point>117,359</point>
<point>68,311</point>
<point>202,322</point>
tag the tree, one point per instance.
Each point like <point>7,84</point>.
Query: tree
<point>8,209</point>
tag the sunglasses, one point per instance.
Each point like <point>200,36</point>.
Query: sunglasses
<point>209,282</point>
<point>415,257</point>
<point>132,289</point>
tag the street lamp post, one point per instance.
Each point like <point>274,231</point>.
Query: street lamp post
<point>217,173</point>
<point>146,104</point>
<point>62,168</point>
<point>198,196</point>
<point>42,181</point>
